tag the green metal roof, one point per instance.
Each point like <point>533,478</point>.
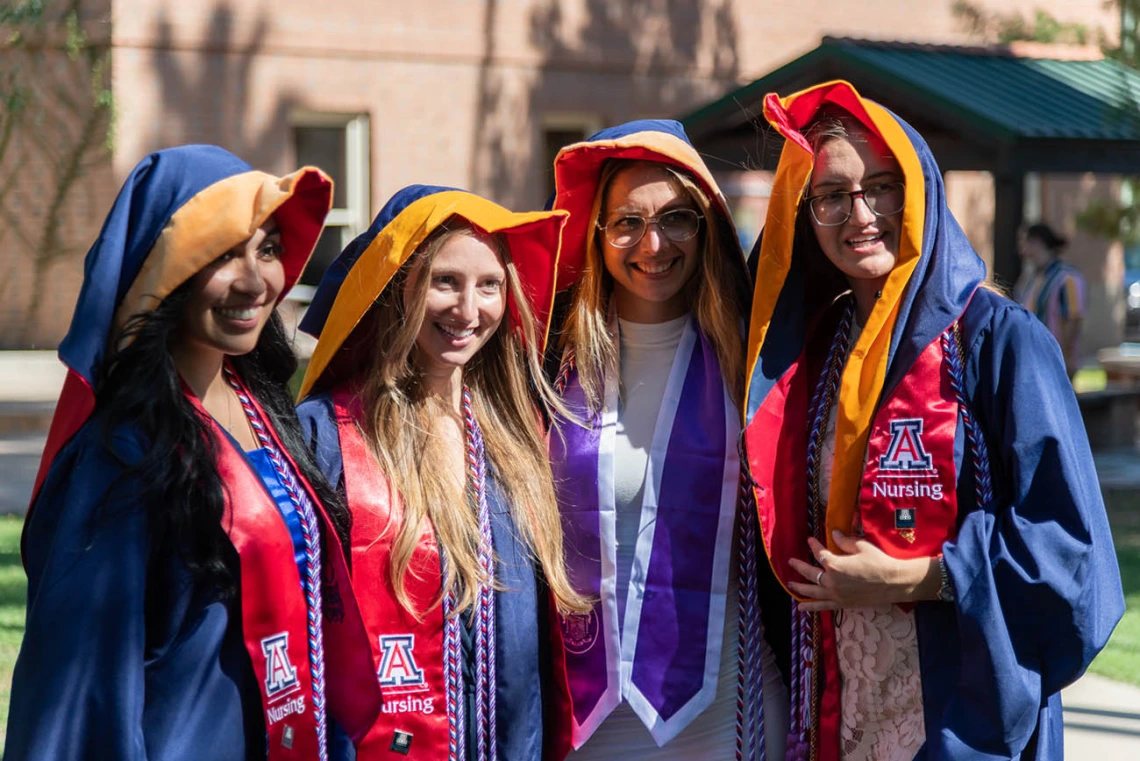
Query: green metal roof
<point>1007,95</point>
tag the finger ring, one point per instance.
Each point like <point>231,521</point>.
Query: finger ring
<point>819,578</point>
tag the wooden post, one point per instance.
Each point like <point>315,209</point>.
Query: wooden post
<point>1009,202</point>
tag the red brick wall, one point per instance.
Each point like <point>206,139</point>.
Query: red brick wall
<point>56,182</point>
<point>457,90</point>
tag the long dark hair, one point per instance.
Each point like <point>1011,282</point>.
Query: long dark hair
<point>138,388</point>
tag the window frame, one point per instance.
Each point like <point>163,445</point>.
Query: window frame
<point>355,216</point>
<point>565,121</point>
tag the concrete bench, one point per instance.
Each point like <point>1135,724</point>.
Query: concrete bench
<point>1121,364</point>
<point>1110,416</point>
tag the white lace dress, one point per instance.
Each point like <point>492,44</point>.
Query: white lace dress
<point>880,681</point>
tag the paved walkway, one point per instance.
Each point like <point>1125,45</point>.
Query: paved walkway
<point>1102,717</point>
<point>1102,720</point>
<point>19,462</point>
<point>29,386</point>
<point>30,376</point>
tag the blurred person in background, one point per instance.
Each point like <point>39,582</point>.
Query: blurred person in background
<point>1054,291</point>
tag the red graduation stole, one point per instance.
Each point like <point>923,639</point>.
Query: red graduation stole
<point>274,612</point>
<point>908,502</point>
<point>407,651</point>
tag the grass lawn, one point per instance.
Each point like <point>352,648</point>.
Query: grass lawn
<point>1120,660</point>
<point>1089,379</point>
<point>13,598</point>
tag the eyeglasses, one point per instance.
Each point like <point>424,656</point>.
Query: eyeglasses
<point>834,208</point>
<point>678,225</point>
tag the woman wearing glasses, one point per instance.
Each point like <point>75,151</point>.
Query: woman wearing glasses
<point>922,477</point>
<point>669,663</point>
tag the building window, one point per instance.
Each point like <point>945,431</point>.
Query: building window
<point>338,144</point>
<point>559,131</point>
<point>1031,198</point>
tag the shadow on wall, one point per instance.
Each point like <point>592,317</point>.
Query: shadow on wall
<point>208,90</point>
<point>611,61</point>
<point>55,137</point>
<point>57,129</point>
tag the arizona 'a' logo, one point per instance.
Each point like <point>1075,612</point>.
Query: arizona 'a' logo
<point>905,451</point>
<point>398,667</point>
<point>279,672</point>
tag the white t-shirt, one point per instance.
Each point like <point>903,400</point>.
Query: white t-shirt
<point>647,352</point>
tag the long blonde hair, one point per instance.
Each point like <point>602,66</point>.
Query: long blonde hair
<point>396,424</point>
<point>718,293</point>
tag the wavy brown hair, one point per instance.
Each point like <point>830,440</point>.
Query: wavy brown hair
<point>504,377</point>
<point>718,292</point>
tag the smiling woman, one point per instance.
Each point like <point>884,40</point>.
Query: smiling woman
<point>228,304</point>
<point>234,295</point>
<point>418,404</point>
<point>462,286</point>
<point>919,465</point>
<point>188,594</point>
<point>650,246</point>
<point>672,662</point>
<point>856,201</point>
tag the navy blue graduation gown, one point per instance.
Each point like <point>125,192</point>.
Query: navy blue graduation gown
<point>522,658</point>
<point>125,657</point>
<point>1036,577</point>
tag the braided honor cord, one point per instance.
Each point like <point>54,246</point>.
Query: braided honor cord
<point>564,369</point>
<point>955,360</point>
<point>310,533</point>
<point>485,614</point>
<point>749,676</point>
<point>485,744</point>
<point>802,742</point>
<point>453,675</point>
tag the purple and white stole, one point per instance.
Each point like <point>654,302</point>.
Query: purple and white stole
<point>665,660</point>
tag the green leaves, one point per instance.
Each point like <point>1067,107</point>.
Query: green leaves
<point>1119,219</point>
<point>1011,27</point>
<point>22,12</point>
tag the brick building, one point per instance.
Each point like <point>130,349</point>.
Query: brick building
<point>471,93</point>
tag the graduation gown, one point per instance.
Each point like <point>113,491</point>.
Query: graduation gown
<point>1037,585</point>
<point>409,651</point>
<point>127,655</point>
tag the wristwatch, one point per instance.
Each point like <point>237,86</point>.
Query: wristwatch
<point>946,590</point>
